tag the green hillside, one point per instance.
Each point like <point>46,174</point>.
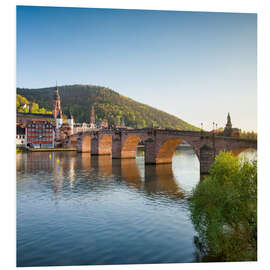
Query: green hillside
<point>108,104</point>
<point>24,105</point>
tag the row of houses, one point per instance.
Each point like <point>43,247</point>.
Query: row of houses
<point>50,130</point>
<point>35,134</point>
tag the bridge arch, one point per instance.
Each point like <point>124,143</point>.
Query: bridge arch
<point>166,150</point>
<point>129,146</point>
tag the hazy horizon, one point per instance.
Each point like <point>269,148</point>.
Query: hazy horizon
<point>197,66</point>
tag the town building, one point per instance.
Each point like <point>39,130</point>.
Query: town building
<point>21,136</point>
<point>40,134</point>
<point>63,129</point>
<point>103,124</point>
<point>27,130</point>
<point>70,122</point>
<point>23,119</point>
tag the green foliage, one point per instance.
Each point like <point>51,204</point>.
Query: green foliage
<point>35,108</point>
<point>20,102</point>
<point>108,104</point>
<point>23,105</point>
<point>20,150</point>
<point>224,210</point>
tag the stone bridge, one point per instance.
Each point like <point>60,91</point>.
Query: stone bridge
<point>159,144</point>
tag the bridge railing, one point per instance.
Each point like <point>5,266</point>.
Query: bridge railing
<point>80,128</point>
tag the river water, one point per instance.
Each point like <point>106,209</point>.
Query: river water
<point>74,209</point>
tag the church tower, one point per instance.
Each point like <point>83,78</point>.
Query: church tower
<point>228,128</point>
<point>229,123</point>
<point>56,104</point>
<point>92,119</point>
<point>70,122</point>
<point>59,123</point>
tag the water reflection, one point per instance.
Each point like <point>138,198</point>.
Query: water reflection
<point>74,209</point>
<point>130,173</point>
<point>85,161</point>
<point>160,179</point>
<point>72,205</point>
<point>157,179</point>
<point>58,176</point>
<point>103,164</point>
<point>249,154</point>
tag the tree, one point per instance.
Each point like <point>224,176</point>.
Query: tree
<point>224,210</point>
<point>35,108</point>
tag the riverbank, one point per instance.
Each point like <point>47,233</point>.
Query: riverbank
<point>20,150</point>
<point>24,150</point>
<point>50,149</point>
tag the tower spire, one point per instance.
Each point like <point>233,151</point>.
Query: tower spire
<point>229,123</point>
<point>56,103</point>
<point>92,119</point>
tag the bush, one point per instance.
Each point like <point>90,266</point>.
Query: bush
<point>224,210</point>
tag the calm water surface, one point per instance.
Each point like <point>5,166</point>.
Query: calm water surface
<point>73,209</point>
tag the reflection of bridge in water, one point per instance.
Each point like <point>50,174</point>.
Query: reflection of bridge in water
<point>159,145</point>
<point>151,180</point>
<point>155,179</point>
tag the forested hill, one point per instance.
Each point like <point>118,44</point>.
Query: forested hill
<point>23,105</point>
<point>108,105</point>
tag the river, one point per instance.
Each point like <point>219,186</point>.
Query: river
<point>74,209</point>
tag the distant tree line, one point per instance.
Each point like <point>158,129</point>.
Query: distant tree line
<point>248,134</point>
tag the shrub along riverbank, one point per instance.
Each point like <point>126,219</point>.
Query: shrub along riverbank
<point>224,211</point>
<point>21,150</point>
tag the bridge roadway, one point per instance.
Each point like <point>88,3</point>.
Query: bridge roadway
<point>159,144</point>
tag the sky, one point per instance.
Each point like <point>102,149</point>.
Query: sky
<point>197,66</point>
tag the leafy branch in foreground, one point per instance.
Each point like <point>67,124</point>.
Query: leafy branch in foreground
<point>224,210</point>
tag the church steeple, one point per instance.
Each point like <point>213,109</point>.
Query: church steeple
<point>229,123</point>
<point>69,115</point>
<point>92,119</point>
<point>56,103</point>
<point>70,121</point>
<point>56,94</point>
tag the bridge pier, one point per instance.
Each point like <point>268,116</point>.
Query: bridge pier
<point>94,146</point>
<point>207,157</point>
<point>149,151</point>
<point>105,145</point>
<point>116,148</point>
<point>83,144</point>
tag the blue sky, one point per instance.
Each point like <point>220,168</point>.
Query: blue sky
<point>197,66</point>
